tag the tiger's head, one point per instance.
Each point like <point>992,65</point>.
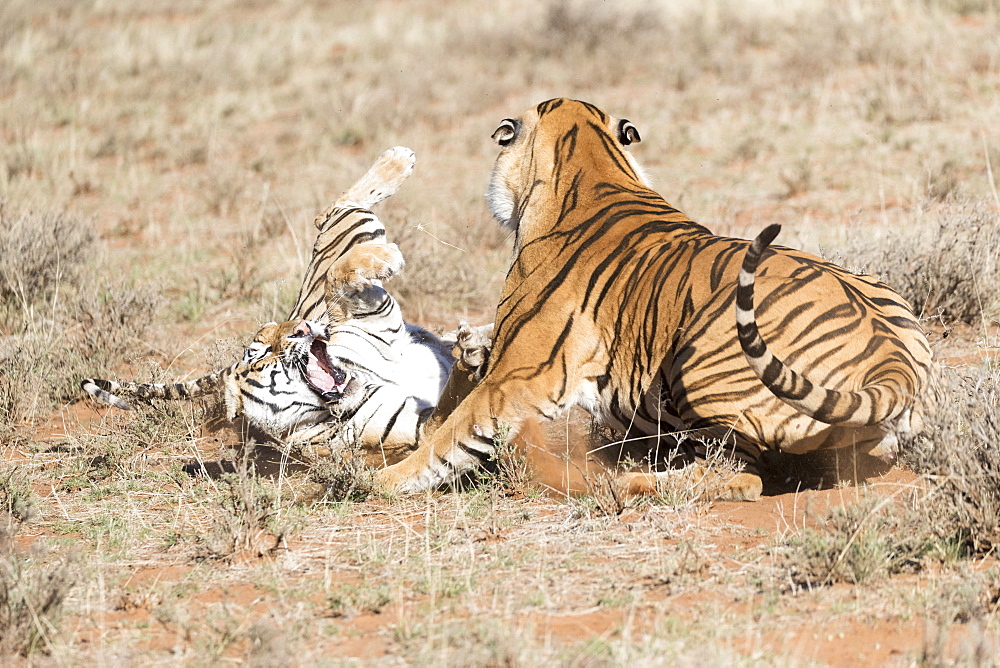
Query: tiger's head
<point>545,151</point>
<point>287,378</point>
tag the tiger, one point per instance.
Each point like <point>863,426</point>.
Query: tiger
<point>617,302</point>
<point>344,363</point>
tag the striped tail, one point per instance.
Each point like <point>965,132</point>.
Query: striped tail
<point>108,391</point>
<point>870,405</point>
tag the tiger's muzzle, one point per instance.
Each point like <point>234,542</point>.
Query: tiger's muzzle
<point>323,377</point>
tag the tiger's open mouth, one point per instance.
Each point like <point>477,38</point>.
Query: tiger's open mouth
<point>325,379</point>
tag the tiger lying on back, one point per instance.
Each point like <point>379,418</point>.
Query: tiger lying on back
<point>344,363</point>
<point>619,303</point>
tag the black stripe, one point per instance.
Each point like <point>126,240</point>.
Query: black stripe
<point>744,297</point>
<point>771,372</point>
<point>392,422</point>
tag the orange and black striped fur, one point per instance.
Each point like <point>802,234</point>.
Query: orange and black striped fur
<point>344,363</point>
<point>618,303</point>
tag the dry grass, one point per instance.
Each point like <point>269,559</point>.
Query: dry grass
<point>34,583</point>
<point>160,169</point>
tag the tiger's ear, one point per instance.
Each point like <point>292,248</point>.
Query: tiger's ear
<point>627,133</point>
<point>505,134</point>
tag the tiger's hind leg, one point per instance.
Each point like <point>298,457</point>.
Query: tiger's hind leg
<point>382,179</point>
<point>695,481</point>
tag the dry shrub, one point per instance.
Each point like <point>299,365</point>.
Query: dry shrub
<point>32,593</point>
<point>343,474</point>
<point>947,264</point>
<point>872,540</point>
<point>112,323</point>
<point>957,452</point>
<point>59,326</point>
<point>42,365</point>
<point>24,368</point>
<point>957,512</point>
<point>120,448</point>
<point>604,497</point>
<point>40,253</point>
<point>508,470</point>
<point>346,600</point>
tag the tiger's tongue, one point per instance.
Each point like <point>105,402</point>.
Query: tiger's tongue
<point>320,379</point>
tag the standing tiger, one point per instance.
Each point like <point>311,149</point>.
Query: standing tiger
<point>344,363</point>
<point>618,303</point>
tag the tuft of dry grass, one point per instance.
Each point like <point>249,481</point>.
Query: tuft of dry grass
<point>508,472</point>
<point>58,324</point>
<point>32,594</point>
<point>872,540</point>
<point>344,475</point>
<point>248,521</point>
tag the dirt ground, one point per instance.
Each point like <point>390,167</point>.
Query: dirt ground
<point>188,149</point>
<point>479,578</point>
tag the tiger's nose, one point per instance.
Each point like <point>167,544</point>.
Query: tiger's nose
<point>311,329</point>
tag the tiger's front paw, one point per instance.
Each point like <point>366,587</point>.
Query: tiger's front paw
<point>472,348</point>
<point>416,473</point>
<point>391,480</point>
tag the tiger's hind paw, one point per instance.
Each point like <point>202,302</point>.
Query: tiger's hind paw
<point>741,487</point>
<point>693,482</point>
<point>382,179</point>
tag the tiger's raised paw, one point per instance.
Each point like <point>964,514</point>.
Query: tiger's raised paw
<point>472,348</point>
